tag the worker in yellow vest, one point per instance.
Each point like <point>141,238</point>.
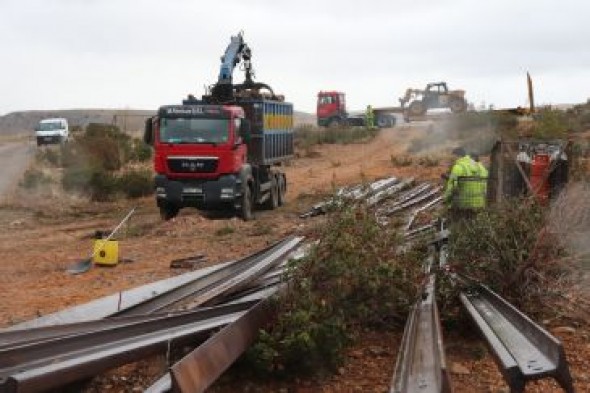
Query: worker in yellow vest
<point>466,183</point>
<point>370,117</point>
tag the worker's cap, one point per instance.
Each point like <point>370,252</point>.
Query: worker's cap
<point>458,151</point>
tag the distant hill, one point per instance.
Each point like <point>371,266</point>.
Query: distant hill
<point>130,120</point>
<point>25,121</point>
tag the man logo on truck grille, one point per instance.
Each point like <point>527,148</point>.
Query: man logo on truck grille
<point>192,165</point>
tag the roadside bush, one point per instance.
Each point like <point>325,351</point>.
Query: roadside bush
<point>225,230</point>
<point>102,151</point>
<point>49,155</point>
<point>34,178</point>
<point>550,124</point>
<point>350,281</point>
<point>140,151</point>
<point>76,178</point>
<point>136,183</point>
<point>306,136</point>
<point>94,182</point>
<point>400,160</point>
<point>103,186</point>
<point>428,161</point>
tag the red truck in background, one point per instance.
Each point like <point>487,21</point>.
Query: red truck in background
<point>331,112</point>
<point>223,151</point>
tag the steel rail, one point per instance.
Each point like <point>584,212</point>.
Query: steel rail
<point>411,193</point>
<point>13,336</point>
<point>219,281</point>
<point>71,360</point>
<point>419,198</point>
<point>421,365</point>
<point>357,192</point>
<point>47,353</point>
<point>419,210</point>
<point>108,305</point>
<point>248,327</point>
<point>389,191</point>
<point>36,352</point>
<point>522,349</point>
<point>200,368</point>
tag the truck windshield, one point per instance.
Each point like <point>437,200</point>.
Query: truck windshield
<point>50,126</point>
<point>192,130</point>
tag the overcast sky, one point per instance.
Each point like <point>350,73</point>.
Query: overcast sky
<point>61,54</point>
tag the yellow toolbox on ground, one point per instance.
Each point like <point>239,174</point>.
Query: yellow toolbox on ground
<point>106,252</point>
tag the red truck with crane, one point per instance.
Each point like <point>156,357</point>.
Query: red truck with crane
<point>225,150</point>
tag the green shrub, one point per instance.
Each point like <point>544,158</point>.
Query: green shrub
<point>102,151</point>
<point>350,281</point>
<point>137,183</point>
<point>103,185</point>
<point>140,151</point>
<point>307,136</point>
<point>76,178</point>
<point>225,230</point>
<point>510,248</point>
<point>550,124</point>
<point>428,161</point>
<point>34,178</point>
<point>94,182</point>
<point>49,155</point>
<point>400,160</point>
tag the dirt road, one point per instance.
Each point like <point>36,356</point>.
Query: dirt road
<point>14,158</point>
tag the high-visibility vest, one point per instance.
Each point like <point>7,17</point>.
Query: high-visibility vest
<point>466,186</point>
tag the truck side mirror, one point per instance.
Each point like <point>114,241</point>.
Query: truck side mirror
<point>148,133</point>
<point>245,130</point>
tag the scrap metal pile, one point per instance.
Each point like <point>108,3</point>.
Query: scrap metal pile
<point>58,349</point>
<point>390,196</point>
<point>522,350</point>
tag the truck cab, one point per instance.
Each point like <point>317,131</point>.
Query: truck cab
<point>331,109</point>
<point>52,131</point>
<point>220,157</point>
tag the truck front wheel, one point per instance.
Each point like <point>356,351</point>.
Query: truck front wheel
<point>246,205</point>
<point>168,211</point>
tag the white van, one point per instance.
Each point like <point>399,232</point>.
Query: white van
<point>50,131</point>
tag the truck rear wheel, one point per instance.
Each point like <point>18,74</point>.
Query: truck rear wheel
<point>246,204</point>
<point>168,211</point>
<point>273,199</point>
<point>282,186</point>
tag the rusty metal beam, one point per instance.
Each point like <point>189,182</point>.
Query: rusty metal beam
<point>421,365</point>
<point>46,366</point>
<point>199,369</point>
<point>231,277</point>
<point>108,305</point>
<point>522,349</point>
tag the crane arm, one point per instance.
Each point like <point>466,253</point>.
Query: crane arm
<point>236,51</point>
